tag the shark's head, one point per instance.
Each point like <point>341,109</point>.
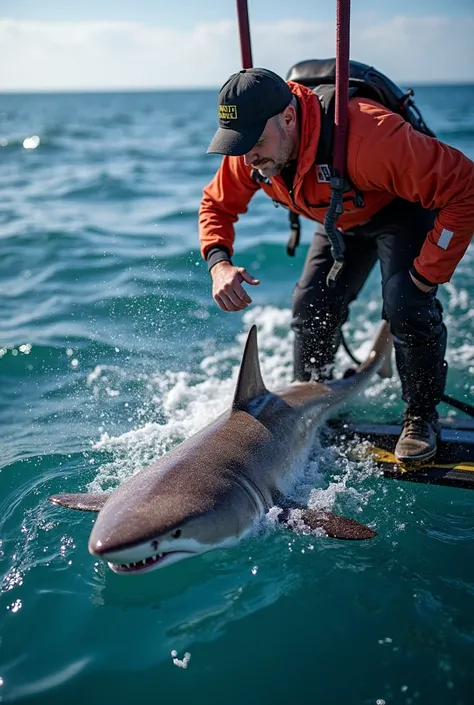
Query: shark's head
<point>149,552</point>
<point>146,525</point>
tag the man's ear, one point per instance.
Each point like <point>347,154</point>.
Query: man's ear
<point>289,115</point>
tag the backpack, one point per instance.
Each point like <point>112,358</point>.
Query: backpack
<point>320,76</point>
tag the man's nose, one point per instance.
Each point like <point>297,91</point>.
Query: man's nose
<point>249,158</point>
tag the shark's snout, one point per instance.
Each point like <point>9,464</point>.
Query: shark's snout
<point>145,556</point>
<point>102,545</point>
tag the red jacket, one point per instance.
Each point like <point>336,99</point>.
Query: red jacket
<point>386,158</point>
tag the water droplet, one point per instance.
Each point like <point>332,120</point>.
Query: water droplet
<point>31,142</point>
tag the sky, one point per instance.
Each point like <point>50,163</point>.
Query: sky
<point>147,44</point>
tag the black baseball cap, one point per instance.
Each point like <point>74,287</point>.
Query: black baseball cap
<point>246,101</point>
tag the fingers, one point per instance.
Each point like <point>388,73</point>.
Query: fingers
<point>233,299</point>
<point>248,277</point>
<point>241,293</point>
<point>226,304</point>
<point>228,291</point>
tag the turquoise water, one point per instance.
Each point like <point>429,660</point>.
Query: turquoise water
<point>111,352</point>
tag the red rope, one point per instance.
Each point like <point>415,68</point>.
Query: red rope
<point>343,21</point>
<point>244,33</point>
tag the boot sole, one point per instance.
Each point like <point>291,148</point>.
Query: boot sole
<point>416,458</point>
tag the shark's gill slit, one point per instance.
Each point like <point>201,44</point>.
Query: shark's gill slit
<point>251,489</point>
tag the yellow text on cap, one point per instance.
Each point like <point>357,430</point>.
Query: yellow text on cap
<point>227,112</point>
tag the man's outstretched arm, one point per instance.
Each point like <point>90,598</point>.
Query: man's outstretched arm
<point>224,199</point>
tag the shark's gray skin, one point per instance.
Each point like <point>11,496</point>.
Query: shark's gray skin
<point>211,490</point>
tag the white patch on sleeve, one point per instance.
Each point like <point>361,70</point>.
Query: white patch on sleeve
<point>445,239</point>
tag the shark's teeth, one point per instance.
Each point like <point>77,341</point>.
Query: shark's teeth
<point>138,565</point>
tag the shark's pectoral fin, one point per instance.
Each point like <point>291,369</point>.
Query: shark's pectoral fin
<point>83,502</point>
<point>334,525</point>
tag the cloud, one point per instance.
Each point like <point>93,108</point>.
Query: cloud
<point>38,55</point>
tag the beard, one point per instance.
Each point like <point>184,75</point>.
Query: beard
<point>271,167</point>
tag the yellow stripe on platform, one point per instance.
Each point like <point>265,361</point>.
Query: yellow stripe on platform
<point>384,456</point>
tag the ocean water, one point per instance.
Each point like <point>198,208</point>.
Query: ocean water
<point>112,351</point>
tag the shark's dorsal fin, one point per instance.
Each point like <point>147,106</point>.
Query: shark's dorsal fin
<point>249,383</point>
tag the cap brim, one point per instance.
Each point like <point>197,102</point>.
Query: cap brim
<point>235,143</point>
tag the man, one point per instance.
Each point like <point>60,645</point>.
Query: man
<point>417,218</point>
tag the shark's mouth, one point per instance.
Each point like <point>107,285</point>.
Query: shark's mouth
<point>151,562</point>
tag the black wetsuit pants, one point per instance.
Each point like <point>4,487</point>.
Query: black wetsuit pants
<point>394,236</point>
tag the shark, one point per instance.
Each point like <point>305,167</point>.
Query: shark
<point>211,490</point>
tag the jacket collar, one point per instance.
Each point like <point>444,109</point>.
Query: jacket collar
<point>310,126</point>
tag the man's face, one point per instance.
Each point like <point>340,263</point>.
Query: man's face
<point>273,149</point>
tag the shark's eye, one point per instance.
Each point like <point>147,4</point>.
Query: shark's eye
<point>176,534</point>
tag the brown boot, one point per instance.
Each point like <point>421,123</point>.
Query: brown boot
<point>418,439</point>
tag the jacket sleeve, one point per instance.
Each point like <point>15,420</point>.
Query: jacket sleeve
<point>392,156</point>
<point>223,200</point>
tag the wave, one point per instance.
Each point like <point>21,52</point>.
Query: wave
<point>105,187</point>
<point>461,132</point>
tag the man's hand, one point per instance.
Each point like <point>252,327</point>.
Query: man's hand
<point>227,288</point>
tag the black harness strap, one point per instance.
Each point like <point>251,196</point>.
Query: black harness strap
<point>295,234</point>
<point>326,95</point>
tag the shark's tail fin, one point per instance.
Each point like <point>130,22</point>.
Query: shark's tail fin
<point>379,358</point>
<point>378,361</point>
<point>250,383</point>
